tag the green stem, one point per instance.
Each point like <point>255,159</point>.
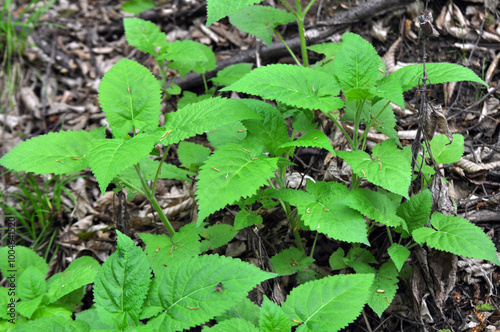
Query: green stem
<point>314,245</point>
<point>288,48</point>
<point>369,125</point>
<point>205,82</point>
<point>151,197</point>
<point>158,170</point>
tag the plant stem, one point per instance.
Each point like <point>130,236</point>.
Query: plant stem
<point>151,197</point>
<point>287,48</point>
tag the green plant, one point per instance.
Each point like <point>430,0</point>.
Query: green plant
<point>252,153</point>
<point>14,32</point>
<point>41,300</point>
<point>37,208</point>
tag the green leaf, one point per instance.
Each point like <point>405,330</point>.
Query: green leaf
<point>203,116</point>
<point>375,205</point>
<point>313,138</point>
<point>245,309</point>
<point>233,324</point>
<point>231,74</point>
<point>387,167</point>
<point>109,157</point>
<point>231,133</point>
<point>231,172</point>
<point>26,308</point>
<point>188,55</point>
<point>260,21</point>
<point>328,304</point>
<point>356,64</point>
<point>411,75</point>
<point>291,85</point>
<point>80,272</point>
<point>53,324</point>
<point>31,287</point>
<point>445,153</point>
<point>360,259</point>
<point>272,318</point>
<point>59,153</point>
<point>290,261</point>
<point>336,259</point>
<point>417,210</point>
<point>188,289</point>
<point>162,250</point>
<point>149,168</point>
<point>216,236</point>
<point>189,97</point>
<point>399,254</point>
<point>384,288</point>
<point>217,9</point>
<point>192,155</point>
<point>144,35</point>
<point>130,96</point>
<point>137,6</point>
<point>31,284</point>
<point>94,320</point>
<point>15,260</point>
<point>123,282</point>
<point>271,130</point>
<point>324,208</point>
<point>329,50</point>
<point>244,219</point>
<point>457,236</point>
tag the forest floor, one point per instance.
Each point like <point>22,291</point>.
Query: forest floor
<point>76,42</point>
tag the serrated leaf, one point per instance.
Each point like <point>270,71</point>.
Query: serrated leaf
<point>80,272</point>
<point>356,64</point>
<point>244,219</point>
<point>324,208</point>
<point>148,169</point>
<point>231,74</point>
<point>217,9</point>
<point>411,75</point>
<point>26,308</point>
<point>272,318</point>
<point>313,138</point>
<point>375,205</point>
<point>130,96</point>
<point>162,250</point>
<point>187,55</point>
<point>384,288</point>
<point>399,254</point>
<point>137,6</point>
<point>291,85</point>
<point>336,259</point>
<point>192,155</point>
<point>360,259</point>
<point>445,153</point>
<point>53,323</point>
<point>387,167</point>
<point>417,210</point>
<point>31,287</point>
<point>271,130</point>
<point>201,117</point>
<point>109,157</point>
<point>329,50</point>
<point>144,35</point>
<point>31,284</point>
<point>231,133</point>
<point>290,261</point>
<point>260,21</point>
<point>244,309</point>
<point>216,236</point>
<point>189,289</point>
<point>457,236</point>
<point>19,258</point>
<point>233,324</point>
<point>123,282</point>
<point>229,173</point>
<point>59,153</point>
<point>328,304</point>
